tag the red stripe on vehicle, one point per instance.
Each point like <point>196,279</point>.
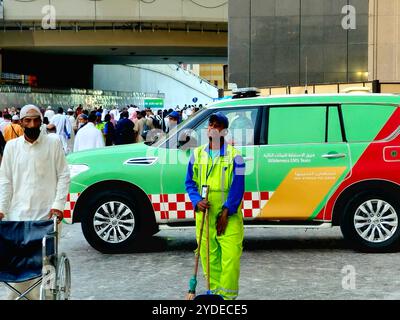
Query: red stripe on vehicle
<point>371,164</point>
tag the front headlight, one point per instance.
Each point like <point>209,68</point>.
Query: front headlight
<point>76,169</point>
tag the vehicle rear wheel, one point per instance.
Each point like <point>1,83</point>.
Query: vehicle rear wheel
<point>371,222</point>
<point>113,221</point>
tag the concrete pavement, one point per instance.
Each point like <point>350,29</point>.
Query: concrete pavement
<point>276,264</point>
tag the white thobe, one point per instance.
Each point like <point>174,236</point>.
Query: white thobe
<point>88,137</point>
<point>34,178</point>
<point>49,114</point>
<point>64,129</point>
<point>116,114</point>
<point>131,110</point>
<point>71,141</point>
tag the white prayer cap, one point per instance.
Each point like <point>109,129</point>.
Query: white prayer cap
<point>15,118</point>
<point>30,111</point>
<point>70,110</point>
<point>49,107</point>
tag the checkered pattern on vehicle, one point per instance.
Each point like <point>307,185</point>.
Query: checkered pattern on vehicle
<point>172,207</point>
<point>177,207</point>
<point>69,206</point>
<point>253,202</point>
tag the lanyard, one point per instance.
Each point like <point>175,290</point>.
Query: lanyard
<point>212,165</point>
<point>208,172</point>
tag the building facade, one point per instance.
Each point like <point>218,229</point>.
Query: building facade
<point>294,42</point>
<point>384,40</point>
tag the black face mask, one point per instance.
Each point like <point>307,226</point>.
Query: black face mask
<point>32,133</point>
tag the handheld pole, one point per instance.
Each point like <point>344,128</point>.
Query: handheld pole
<point>205,190</point>
<point>193,280</point>
<point>208,249</point>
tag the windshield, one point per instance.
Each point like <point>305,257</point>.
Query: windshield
<point>189,123</point>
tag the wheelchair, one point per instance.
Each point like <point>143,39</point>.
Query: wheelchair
<point>29,251</point>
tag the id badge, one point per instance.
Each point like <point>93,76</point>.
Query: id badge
<point>204,191</point>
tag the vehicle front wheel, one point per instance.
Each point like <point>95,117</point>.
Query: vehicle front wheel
<point>113,222</point>
<point>371,222</point>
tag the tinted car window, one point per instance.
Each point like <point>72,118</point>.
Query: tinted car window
<point>363,122</point>
<point>242,124</point>
<point>297,125</point>
<point>170,140</point>
<point>334,130</point>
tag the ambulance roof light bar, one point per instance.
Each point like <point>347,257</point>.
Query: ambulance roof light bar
<point>245,93</point>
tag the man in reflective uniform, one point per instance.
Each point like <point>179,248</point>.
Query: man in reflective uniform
<point>221,167</point>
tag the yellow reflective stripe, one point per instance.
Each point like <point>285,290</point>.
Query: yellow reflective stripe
<point>223,185</point>
<point>228,290</point>
<point>216,182</point>
<point>227,294</point>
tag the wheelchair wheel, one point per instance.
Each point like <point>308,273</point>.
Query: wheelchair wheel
<point>63,278</point>
<point>48,286</point>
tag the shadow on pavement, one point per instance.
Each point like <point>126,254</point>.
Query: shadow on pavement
<point>256,244</point>
<point>163,244</point>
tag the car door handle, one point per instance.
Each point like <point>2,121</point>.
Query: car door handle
<point>334,156</point>
<point>248,159</point>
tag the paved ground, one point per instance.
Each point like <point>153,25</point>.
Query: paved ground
<point>276,264</point>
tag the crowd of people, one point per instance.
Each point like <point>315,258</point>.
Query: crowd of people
<point>35,178</point>
<point>80,128</point>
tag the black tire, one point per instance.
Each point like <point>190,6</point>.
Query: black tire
<point>375,230</point>
<point>119,238</point>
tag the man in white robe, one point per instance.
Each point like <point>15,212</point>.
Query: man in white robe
<point>49,114</point>
<point>34,178</point>
<point>64,128</point>
<point>89,137</point>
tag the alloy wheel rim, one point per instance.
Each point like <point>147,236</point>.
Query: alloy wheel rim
<point>375,221</point>
<point>114,222</point>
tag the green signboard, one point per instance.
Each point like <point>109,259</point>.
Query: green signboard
<point>154,103</point>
